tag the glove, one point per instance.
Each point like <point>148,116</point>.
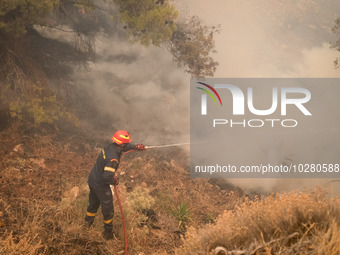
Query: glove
<point>140,147</point>
<point>116,181</point>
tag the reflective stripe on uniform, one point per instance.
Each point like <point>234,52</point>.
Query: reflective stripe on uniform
<point>109,169</point>
<point>108,221</point>
<point>90,214</point>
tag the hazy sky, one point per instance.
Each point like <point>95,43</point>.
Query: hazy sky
<point>271,38</point>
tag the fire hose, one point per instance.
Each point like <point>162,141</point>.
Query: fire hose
<point>117,195</point>
<point>123,219</point>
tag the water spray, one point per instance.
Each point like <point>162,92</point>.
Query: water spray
<point>166,145</point>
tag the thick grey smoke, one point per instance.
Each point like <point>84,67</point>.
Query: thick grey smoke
<point>140,89</point>
<point>131,87</point>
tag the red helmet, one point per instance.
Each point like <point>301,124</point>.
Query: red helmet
<point>121,136</point>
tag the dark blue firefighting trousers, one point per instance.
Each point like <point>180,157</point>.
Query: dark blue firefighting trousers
<point>101,196</point>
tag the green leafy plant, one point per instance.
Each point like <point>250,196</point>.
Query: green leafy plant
<point>191,45</point>
<point>182,213</point>
<point>148,21</point>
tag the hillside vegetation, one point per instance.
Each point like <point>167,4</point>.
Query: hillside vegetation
<point>46,155</point>
<point>288,223</point>
<point>44,196</point>
<point>36,71</point>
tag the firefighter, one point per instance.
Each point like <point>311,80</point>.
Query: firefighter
<point>103,175</point>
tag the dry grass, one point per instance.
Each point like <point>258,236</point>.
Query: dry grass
<point>51,195</point>
<point>292,223</point>
<point>27,244</point>
<point>44,195</point>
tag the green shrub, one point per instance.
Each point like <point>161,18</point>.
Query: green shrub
<point>182,213</point>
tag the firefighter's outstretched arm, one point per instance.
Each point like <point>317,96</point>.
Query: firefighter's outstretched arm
<point>131,147</point>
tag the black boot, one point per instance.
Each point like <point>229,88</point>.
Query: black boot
<point>108,234</point>
<point>89,221</point>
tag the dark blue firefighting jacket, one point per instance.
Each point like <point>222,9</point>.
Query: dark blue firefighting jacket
<point>103,172</point>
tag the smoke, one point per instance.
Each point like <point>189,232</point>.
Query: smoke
<point>130,87</point>
<point>271,38</point>
<point>141,90</point>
